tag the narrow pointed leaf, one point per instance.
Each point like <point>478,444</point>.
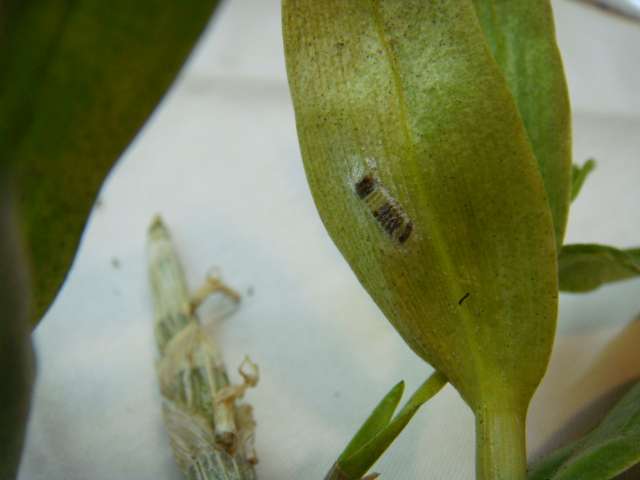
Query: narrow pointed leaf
<point>360,455</point>
<point>610,449</point>
<point>79,78</point>
<point>425,178</point>
<point>579,175</point>
<point>586,267</point>
<point>425,392</point>
<point>359,463</point>
<point>521,36</point>
<point>376,422</point>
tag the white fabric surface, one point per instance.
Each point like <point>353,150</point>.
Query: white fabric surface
<point>219,160</point>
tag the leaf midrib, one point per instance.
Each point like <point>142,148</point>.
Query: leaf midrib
<point>435,230</point>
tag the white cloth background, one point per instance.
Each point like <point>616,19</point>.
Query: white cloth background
<point>219,160</point>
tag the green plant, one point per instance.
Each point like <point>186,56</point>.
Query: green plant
<point>78,80</point>
<point>455,165</point>
<point>436,141</point>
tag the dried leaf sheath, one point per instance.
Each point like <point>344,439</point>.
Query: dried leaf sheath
<point>211,437</point>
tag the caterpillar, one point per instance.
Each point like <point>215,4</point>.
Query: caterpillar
<point>384,208</point>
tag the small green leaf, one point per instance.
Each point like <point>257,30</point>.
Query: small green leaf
<point>425,392</point>
<point>521,36</point>
<point>375,423</point>
<point>79,78</point>
<point>610,449</point>
<point>362,460</point>
<point>379,431</point>
<point>586,267</point>
<point>579,175</point>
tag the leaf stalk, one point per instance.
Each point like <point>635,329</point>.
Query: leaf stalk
<point>501,452</point>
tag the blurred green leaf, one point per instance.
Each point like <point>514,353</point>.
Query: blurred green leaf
<point>610,449</point>
<point>521,36</point>
<point>579,175</point>
<point>16,355</point>
<point>586,267</point>
<point>80,77</point>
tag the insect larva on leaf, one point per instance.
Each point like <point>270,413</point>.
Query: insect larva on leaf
<point>385,209</point>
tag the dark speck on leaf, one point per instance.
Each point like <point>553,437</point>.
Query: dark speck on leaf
<point>463,298</point>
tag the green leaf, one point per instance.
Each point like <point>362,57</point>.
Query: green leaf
<point>379,430</point>
<point>424,177</point>
<point>375,423</point>
<point>425,392</point>
<point>521,36</point>
<point>610,449</point>
<point>586,267</point>
<point>79,80</point>
<point>579,175</point>
<point>362,460</point>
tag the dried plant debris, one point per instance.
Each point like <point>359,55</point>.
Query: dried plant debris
<point>211,434</point>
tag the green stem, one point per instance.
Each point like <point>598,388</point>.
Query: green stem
<point>501,452</point>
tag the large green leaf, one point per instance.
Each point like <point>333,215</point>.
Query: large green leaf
<point>424,177</point>
<point>610,449</point>
<point>79,78</point>
<point>586,267</point>
<point>521,36</point>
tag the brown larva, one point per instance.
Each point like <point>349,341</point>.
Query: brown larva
<point>385,209</point>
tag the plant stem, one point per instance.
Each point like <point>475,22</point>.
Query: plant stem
<point>501,452</point>
<point>211,435</point>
